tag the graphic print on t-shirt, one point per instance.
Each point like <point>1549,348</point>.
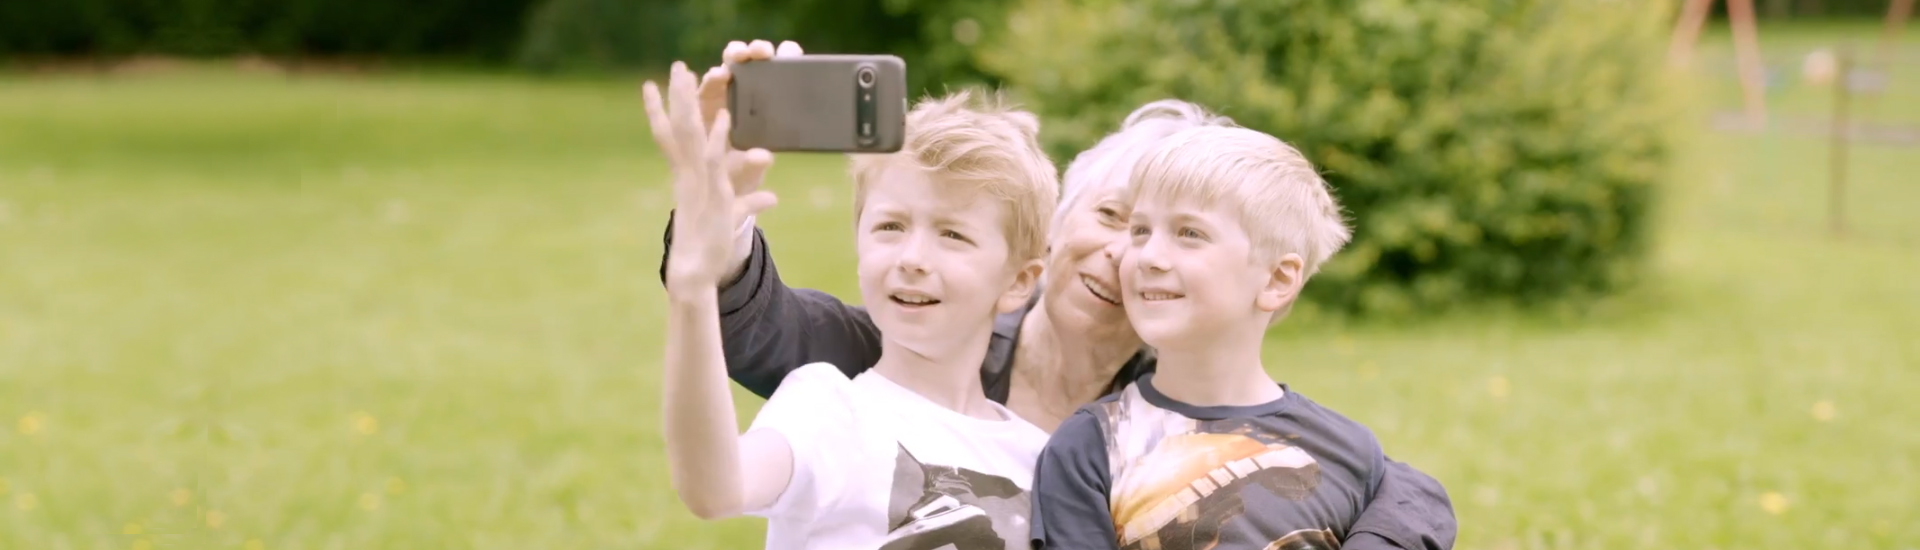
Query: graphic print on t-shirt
<point>1179,482</point>
<point>935,507</point>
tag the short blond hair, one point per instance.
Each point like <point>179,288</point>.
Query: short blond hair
<point>980,141</point>
<point>1109,163</point>
<point>1281,201</point>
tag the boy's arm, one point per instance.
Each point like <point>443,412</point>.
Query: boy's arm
<point>1409,511</point>
<point>1070,488</point>
<point>768,329</point>
<point>717,472</point>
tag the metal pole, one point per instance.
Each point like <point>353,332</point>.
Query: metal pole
<point>1837,159</point>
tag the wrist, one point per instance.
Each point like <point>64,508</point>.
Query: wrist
<point>689,289</point>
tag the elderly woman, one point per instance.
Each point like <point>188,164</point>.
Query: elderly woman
<point>1069,346</point>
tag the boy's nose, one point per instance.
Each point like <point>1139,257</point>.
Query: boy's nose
<point>1150,256</point>
<point>911,258</point>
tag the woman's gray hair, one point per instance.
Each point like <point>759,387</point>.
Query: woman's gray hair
<point>1110,163</point>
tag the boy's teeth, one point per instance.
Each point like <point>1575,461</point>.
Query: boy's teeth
<point>1159,296</point>
<point>914,300</point>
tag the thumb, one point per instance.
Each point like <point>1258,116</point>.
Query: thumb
<point>748,170</point>
<point>753,204</point>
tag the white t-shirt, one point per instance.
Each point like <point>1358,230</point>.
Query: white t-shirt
<point>876,465</point>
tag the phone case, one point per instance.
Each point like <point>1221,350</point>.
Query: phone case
<point>817,103</point>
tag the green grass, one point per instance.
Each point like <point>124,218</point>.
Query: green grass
<point>423,312</point>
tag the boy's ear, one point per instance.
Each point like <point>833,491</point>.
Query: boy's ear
<point>1025,281</point>
<point>1284,280</point>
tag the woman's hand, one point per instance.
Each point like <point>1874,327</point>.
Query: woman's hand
<point>746,169</point>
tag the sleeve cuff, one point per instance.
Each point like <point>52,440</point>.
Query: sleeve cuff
<point>752,278</point>
<point>742,246</point>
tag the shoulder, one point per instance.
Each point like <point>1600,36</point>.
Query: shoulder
<point>1307,411</point>
<point>1077,450</point>
<point>815,376</point>
<point>1086,423</point>
<point>1346,435</point>
<point>810,393</point>
<point>1085,431</point>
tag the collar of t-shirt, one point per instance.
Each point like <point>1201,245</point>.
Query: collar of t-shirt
<point>1215,412</point>
<point>903,397</point>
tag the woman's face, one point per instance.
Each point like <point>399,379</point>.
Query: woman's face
<point>1083,281</point>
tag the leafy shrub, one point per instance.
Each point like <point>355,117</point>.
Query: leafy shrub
<point>1484,149</point>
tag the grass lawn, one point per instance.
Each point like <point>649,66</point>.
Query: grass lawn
<point>251,311</point>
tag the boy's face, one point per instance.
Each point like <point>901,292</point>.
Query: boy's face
<point>1188,276</point>
<point>933,260</point>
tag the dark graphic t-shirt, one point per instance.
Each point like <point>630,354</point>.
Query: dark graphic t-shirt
<point>1139,470</point>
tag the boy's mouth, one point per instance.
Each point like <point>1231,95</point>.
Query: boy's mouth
<point>1160,295</point>
<point>913,300</point>
<point>1103,292</point>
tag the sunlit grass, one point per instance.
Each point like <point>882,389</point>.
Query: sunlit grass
<point>247,311</point>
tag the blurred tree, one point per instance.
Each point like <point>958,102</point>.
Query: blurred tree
<point>936,38</point>
<point>939,38</point>
<point>1485,149</point>
<point>485,30</point>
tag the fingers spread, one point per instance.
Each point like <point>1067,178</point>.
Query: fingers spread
<point>683,107</point>
<point>749,169</point>
<point>658,122</point>
<point>717,145</point>
<point>753,204</point>
<point>715,80</point>
<point>713,92</point>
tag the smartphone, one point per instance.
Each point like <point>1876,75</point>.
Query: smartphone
<point>820,103</point>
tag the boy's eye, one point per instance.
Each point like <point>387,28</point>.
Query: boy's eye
<point>1139,231</point>
<point>1191,233</point>
<point>1110,214</point>
<point>950,234</point>
<point>889,226</point>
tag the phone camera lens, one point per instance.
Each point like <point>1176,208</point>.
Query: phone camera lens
<point>866,77</point>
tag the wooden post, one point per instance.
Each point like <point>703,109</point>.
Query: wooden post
<point>1686,31</point>
<point>1837,158</point>
<point>1746,46</point>
<point>1897,13</point>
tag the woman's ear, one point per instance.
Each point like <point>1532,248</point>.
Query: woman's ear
<point>1025,281</point>
<point>1284,279</point>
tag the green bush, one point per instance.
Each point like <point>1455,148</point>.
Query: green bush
<point>1485,149</point>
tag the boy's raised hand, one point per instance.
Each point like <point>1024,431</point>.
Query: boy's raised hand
<point>708,207</point>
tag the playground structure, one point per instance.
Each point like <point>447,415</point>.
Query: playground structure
<point>1746,44</point>
<point>1837,70</point>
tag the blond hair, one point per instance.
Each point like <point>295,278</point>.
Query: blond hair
<point>981,142</point>
<point>1109,163</point>
<point>1284,205</point>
